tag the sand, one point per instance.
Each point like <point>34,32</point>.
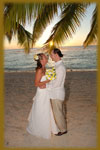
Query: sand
<point>81,104</point>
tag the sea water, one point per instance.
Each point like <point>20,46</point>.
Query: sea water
<point>75,58</point>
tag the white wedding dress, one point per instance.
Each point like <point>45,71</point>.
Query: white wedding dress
<point>41,119</point>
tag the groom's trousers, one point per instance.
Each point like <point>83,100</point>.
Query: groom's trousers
<point>59,114</point>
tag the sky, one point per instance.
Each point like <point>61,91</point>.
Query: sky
<point>77,39</point>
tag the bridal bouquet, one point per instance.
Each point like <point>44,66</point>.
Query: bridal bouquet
<point>51,74</point>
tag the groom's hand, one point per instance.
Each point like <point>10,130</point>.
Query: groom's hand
<point>42,87</point>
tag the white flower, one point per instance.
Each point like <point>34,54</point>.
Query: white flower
<point>36,57</point>
<point>50,62</point>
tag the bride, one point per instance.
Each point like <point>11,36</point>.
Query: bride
<point>41,119</point>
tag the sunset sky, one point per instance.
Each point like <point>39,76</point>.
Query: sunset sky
<point>78,37</point>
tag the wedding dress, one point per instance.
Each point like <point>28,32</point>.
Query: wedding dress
<point>41,119</point>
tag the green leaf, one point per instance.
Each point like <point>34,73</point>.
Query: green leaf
<point>70,20</point>
<point>92,35</point>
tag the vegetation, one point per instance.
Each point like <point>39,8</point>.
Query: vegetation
<point>16,15</point>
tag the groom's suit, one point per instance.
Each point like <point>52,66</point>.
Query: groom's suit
<point>57,95</point>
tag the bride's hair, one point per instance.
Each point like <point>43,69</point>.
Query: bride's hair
<point>39,65</point>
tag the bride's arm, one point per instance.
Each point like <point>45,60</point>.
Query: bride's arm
<point>38,77</point>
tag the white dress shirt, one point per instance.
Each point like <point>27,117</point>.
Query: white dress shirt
<point>56,86</point>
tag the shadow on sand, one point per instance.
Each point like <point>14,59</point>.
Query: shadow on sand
<point>67,94</point>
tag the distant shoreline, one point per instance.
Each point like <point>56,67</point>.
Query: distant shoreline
<point>41,47</point>
<point>67,70</point>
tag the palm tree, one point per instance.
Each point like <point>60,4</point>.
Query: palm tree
<point>16,15</point>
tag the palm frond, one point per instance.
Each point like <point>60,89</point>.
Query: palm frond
<point>9,36</point>
<point>7,8</point>
<point>70,20</point>
<point>92,35</point>
<point>15,17</point>
<point>20,13</point>
<point>43,19</point>
<point>24,38</point>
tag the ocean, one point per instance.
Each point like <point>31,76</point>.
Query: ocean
<point>75,58</point>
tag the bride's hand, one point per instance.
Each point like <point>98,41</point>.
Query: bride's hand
<point>43,86</point>
<point>48,80</point>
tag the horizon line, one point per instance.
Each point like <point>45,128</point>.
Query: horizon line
<point>41,47</point>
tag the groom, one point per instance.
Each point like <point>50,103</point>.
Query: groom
<point>57,91</point>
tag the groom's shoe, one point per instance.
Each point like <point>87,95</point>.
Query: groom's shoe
<point>63,132</point>
<point>59,134</point>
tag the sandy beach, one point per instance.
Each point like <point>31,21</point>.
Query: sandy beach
<point>81,111</point>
